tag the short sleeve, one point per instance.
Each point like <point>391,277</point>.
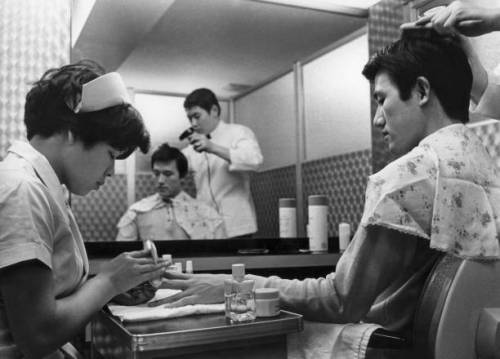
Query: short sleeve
<point>26,224</point>
<point>489,103</point>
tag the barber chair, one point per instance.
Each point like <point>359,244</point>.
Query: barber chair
<point>458,315</point>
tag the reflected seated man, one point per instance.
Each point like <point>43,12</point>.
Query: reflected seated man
<point>170,213</point>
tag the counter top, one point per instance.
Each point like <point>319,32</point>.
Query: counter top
<point>214,263</point>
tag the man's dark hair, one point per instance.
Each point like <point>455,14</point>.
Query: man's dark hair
<point>440,59</point>
<point>49,110</point>
<point>203,98</point>
<point>166,153</point>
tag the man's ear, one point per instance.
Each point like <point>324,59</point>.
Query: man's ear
<point>214,110</point>
<point>423,89</point>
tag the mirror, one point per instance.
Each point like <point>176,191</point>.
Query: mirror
<point>261,59</point>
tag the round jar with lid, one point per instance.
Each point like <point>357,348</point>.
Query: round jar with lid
<point>267,302</point>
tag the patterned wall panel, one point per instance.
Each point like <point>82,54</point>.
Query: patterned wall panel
<point>34,36</point>
<point>98,212</point>
<point>343,180</point>
<point>489,133</point>
<point>383,27</point>
<point>267,187</point>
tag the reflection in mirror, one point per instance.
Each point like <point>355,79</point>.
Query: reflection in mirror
<point>245,51</point>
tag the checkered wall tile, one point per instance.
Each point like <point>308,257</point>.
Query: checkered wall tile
<point>489,133</point>
<point>267,188</point>
<point>343,180</point>
<point>34,36</point>
<point>98,212</point>
<point>384,20</point>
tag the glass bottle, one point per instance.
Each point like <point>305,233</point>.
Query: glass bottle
<point>239,296</point>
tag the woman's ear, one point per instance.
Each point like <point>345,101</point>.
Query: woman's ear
<point>423,88</point>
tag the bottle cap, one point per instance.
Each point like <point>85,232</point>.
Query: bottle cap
<point>189,266</point>
<point>287,202</point>
<point>267,293</point>
<point>317,200</point>
<point>167,257</point>
<point>238,271</point>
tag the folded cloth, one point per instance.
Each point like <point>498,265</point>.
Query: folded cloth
<point>142,312</point>
<point>330,341</point>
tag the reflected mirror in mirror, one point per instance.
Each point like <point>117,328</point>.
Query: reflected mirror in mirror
<point>245,51</point>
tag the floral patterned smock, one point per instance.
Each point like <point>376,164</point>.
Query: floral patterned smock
<point>445,190</point>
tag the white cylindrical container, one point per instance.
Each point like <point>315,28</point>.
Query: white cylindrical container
<point>318,228</point>
<point>189,266</point>
<point>344,236</point>
<point>267,302</point>
<point>288,217</point>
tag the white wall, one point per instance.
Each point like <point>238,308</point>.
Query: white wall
<point>337,108</point>
<point>337,101</point>
<point>270,113</point>
<point>165,118</point>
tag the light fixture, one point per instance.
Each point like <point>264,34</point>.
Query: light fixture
<point>352,7</point>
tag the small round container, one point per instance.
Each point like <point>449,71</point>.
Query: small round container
<point>267,302</point>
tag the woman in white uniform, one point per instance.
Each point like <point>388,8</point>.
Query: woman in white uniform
<point>78,122</point>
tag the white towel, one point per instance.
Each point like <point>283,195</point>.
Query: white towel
<point>143,312</point>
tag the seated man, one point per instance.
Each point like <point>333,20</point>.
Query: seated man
<point>441,194</point>
<point>170,213</point>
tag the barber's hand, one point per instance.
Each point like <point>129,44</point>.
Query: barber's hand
<point>467,19</point>
<point>137,295</point>
<point>200,142</point>
<point>129,269</point>
<point>196,289</point>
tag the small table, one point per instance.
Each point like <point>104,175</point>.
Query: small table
<point>206,336</point>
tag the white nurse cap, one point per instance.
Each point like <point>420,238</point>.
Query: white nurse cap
<point>105,91</point>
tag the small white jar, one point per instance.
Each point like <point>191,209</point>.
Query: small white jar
<point>267,302</point>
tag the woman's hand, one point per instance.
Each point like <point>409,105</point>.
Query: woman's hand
<point>137,295</point>
<point>468,19</point>
<point>129,269</point>
<point>196,289</point>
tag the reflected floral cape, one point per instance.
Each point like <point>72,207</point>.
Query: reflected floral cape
<point>199,220</point>
<point>445,190</point>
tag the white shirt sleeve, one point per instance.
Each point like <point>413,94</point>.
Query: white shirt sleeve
<point>489,103</point>
<point>244,152</point>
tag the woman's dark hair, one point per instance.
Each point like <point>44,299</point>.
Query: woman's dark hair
<point>165,153</point>
<point>203,98</point>
<point>49,110</point>
<point>440,59</point>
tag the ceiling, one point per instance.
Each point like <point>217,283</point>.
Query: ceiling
<point>175,46</point>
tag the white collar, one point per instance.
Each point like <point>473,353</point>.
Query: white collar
<point>42,168</point>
